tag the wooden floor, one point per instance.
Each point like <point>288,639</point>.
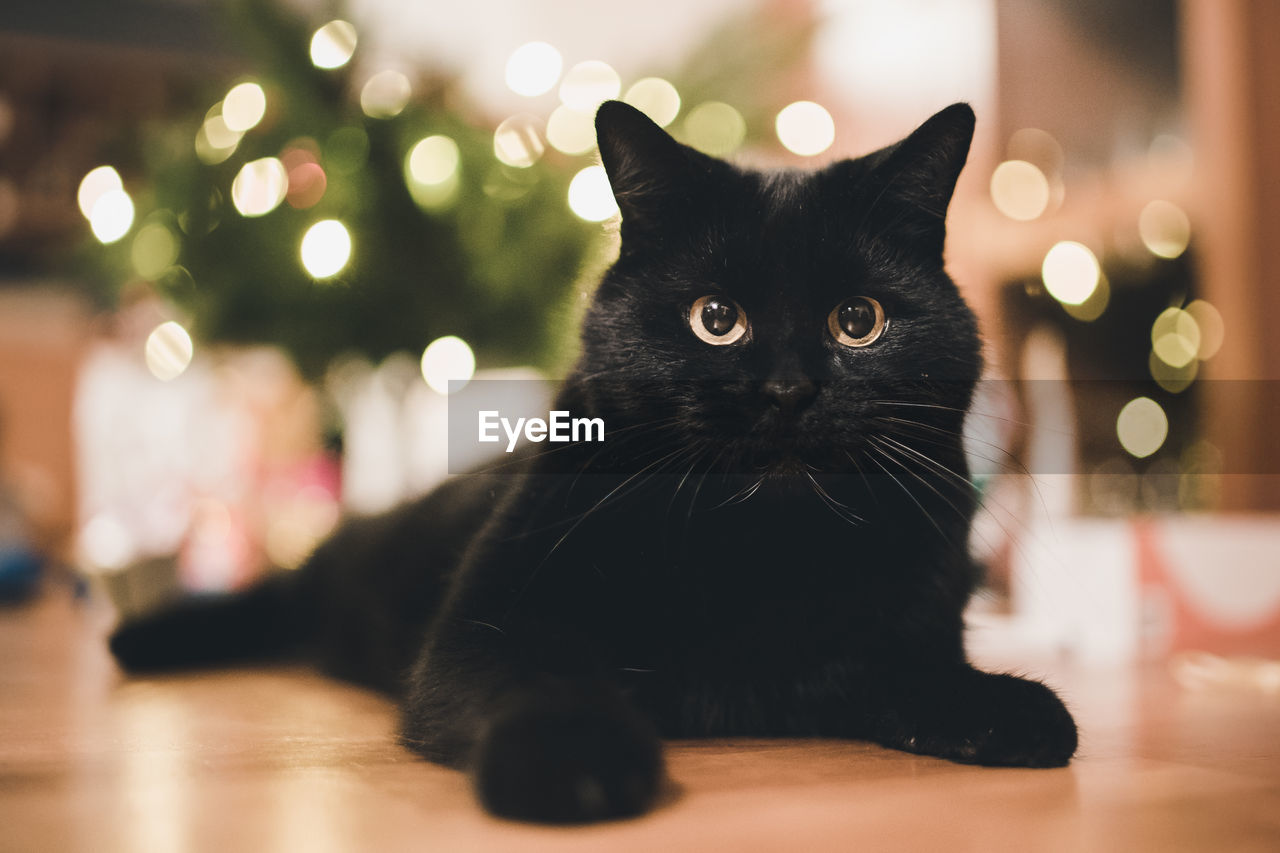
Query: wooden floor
<point>277,759</point>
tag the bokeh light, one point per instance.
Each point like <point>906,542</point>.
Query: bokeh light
<point>533,68</point>
<point>1020,190</point>
<point>105,544</point>
<point>168,351</point>
<point>243,107</point>
<point>259,187</point>
<point>1173,379</point>
<point>326,248</point>
<point>1212,329</point>
<point>714,128</point>
<point>1039,148</point>
<point>445,360</point>
<point>333,44</point>
<point>112,215</point>
<point>517,142</point>
<point>1070,272</point>
<point>590,196</point>
<point>571,131</point>
<point>656,98</point>
<point>589,84</point>
<point>154,250</point>
<point>431,170</point>
<point>805,128</point>
<point>385,95</point>
<point>215,142</point>
<point>1094,306</point>
<point>307,183</point>
<point>1142,427</point>
<point>1164,228</point>
<point>92,186</point>
<point>1175,337</point>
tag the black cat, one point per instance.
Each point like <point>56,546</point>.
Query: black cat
<point>771,541</point>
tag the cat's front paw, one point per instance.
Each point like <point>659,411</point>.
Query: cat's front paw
<point>995,720</point>
<point>568,766</point>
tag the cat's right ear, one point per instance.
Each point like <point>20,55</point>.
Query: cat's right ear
<point>651,174</point>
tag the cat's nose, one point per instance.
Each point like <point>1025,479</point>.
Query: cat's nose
<point>790,395</point>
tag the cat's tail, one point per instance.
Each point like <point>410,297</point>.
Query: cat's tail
<point>265,621</point>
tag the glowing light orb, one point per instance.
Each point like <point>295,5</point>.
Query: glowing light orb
<point>1164,228</point>
<point>259,187</point>
<point>385,95</point>
<point>326,248</point>
<point>111,216</point>
<point>1020,190</point>
<point>570,131</point>
<point>656,98</point>
<point>433,160</point>
<point>168,351</point>
<point>93,185</point>
<point>805,128</point>
<point>1212,329</point>
<point>1070,272</point>
<point>243,107</point>
<point>448,364</point>
<point>154,250</point>
<point>516,142</point>
<point>1175,337</point>
<point>588,84</point>
<point>333,44</point>
<point>590,196</point>
<point>533,68</point>
<point>714,128</point>
<point>1142,427</point>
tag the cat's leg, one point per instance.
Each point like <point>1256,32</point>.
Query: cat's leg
<point>562,747</point>
<point>966,715</point>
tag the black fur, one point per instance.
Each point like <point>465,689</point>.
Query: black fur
<point>733,560</point>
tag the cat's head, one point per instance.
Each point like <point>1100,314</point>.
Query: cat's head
<point>783,315</point>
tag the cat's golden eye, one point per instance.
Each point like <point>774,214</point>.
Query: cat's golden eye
<point>717,320</point>
<point>857,322</point>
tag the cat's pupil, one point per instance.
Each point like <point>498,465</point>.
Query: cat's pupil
<point>719,317</point>
<point>857,318</point>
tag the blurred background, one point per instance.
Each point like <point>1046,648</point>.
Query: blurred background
<point>245,245</point>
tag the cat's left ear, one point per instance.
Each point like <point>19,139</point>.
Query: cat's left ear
<point>918,175</point>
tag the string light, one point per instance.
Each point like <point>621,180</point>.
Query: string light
<point>1020,190</point>
<point>1175,337</point>
<point>656,98</point>
<point>1212,329</point>
<point>516,141</point>
<point>715,128</point>
<point>589,84</point>
<point>385,94</point>
<point>111,216</point>
<point>431,170</point>
<point>1070,272</point>
<point>533,68</point>
<point>243,107</point>
<point>805,128</point>
<point>570,131</point>
<point>326,248</point>
<point>168,351</point>
<point>1142,427</point>
<point>1164,228</point>
<point>590,196</point>
<point>448,364</point>
<point>154,250</point>
<point>333,44</point>
<point>259,187</point>
<point>92,186</point>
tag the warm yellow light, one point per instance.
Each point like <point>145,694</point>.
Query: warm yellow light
<point>656,98</point>
<point>1175,380</point>
<point>1175,337</point>
<point>1094,306</point>
<point>715,128</point>
<point>588,84</point>
<point>94,184</point>
<point>1164,228</point>
<point>168,351</point>
<point>213,131</point>
<point>448,364</point>
<point>1142,427</point>
<point>326,248</point>
<point>533,68</point>
<point>111,216</point>
<point>385,94</point>
<point>516,141</point>
<point>333,44</point>
<point>1020,190</point>
<point>1039,148</point>
<point>590,196</point>
<point>154,250</point>
<point>433,160</point>
<point>571,131</point>
<point>1070,272</point>
<point>243,107</point>
<point>805,128</point>
<point>1212,329</point>
<point>259,186</point>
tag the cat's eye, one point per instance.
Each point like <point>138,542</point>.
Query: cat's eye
<point>717,320</point>
<point>857,322</point>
